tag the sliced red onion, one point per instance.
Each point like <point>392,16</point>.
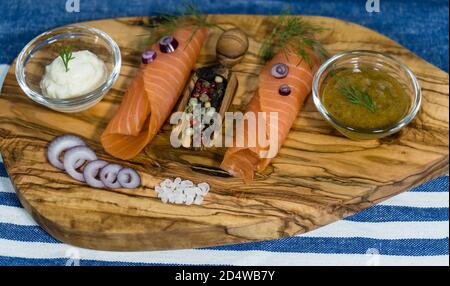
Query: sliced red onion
<point>75,154</point>
<point>168,44</point>
<point>108,175</point>
<point>280,70</point>
<point>91,172</point>
<point>148,56</point>
<point>59,145</point>
<point>284,90</point>
<point>129,178</point>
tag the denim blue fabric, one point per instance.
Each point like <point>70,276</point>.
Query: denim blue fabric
<point>421,26</point>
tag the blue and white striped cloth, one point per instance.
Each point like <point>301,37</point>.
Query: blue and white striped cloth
<point>409,229</point>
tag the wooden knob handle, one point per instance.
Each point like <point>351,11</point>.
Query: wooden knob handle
<point>231,47</point>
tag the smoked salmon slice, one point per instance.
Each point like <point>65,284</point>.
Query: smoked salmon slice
<point>245,160</point>
<point>152,95</point>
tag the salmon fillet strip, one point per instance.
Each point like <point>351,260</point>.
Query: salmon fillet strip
<point>152,95</point>
<point>244,161</point>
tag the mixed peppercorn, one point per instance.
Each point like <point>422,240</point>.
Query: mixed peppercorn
<point>209,94</point>
<point>205,100</point>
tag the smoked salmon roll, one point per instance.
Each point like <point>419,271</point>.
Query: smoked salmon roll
<point>152,95</point>
<point>280,96</point>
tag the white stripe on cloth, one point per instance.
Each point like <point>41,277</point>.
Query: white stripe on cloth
<point>6,186</point>
<point>3,71</point>
<point>211,257</point>
<point>419,200</point>
<point>14,215</point>
<point>382,230</point>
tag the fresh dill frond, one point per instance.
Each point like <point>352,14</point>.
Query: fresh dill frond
<point>357,95</point>
<point>295,32</point>
<point>197,18</point>
<point>188,15</point>
<point>65,52</point>
<point>162,25</point>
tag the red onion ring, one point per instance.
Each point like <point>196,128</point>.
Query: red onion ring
<point>75,154</point>
<point>108,175</point>
<point>91,171</point>
<point>168,44</point>
<point>129,178</point>
<point>148,56</point>
<point>59,145</point>
<point>284,90</point>
<point>280,70</point>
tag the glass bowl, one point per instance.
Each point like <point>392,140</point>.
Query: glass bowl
<point>372,60</point>
<point>42,50</point>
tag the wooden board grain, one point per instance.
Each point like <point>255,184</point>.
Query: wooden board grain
<point>318,176</point>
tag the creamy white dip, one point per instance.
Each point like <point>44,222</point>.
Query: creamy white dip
<point>86,73</point>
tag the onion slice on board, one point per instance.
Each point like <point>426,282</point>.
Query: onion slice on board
<point>75,154</point>
<point>108,175</point>
<point>148,56</point>
<point>284,90</point>
<point>280,70</point>
<point>129,178</point>
<point>59,145</point>
<point>168,44</point>
<point>91,171</point>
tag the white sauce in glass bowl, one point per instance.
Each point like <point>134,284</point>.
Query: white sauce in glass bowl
<point>86,73</point>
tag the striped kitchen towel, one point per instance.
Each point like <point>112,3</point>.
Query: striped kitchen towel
<point>409,229</point>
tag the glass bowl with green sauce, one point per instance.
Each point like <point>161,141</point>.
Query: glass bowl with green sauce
<point>366,94</point>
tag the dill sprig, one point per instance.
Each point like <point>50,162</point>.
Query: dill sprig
<point>357,95</point>
<point>198,19</point>
<point>166,24</point>
<point>65,52</point>
<point>295,32</point>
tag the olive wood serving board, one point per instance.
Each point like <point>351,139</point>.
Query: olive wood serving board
<point>318,176</point>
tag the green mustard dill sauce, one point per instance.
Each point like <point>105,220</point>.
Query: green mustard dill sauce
<point>390,99</point>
